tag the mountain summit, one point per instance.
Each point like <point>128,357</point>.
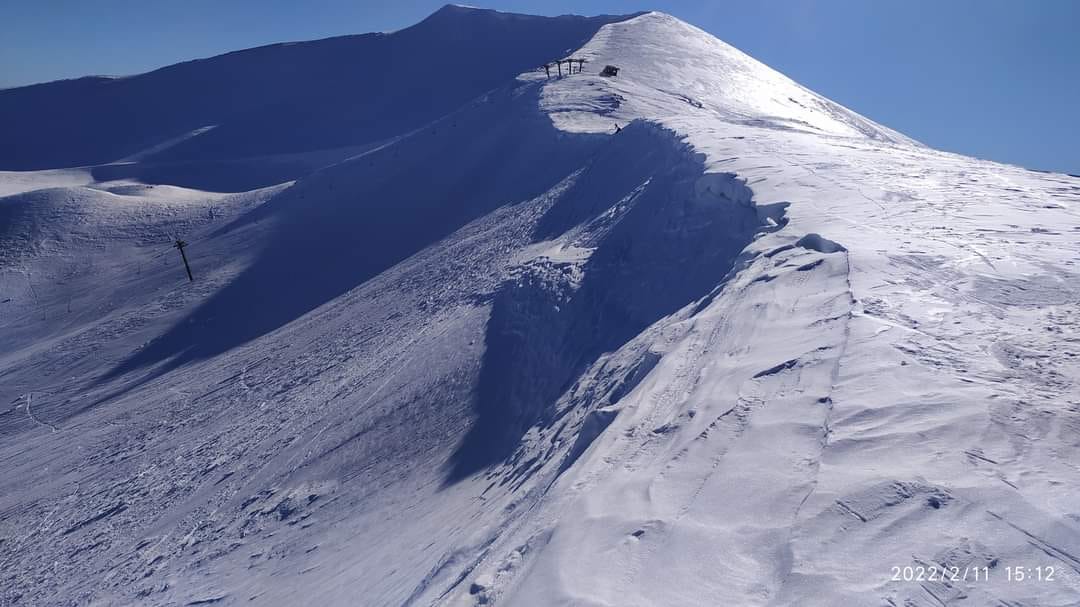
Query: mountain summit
<point>665,59</point>
<point>466,331</point>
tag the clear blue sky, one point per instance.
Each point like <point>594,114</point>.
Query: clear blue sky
<point>996,79</point>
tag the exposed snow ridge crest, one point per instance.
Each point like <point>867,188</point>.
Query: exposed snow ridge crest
<point>671,70</point>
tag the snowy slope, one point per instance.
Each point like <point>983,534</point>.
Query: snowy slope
<point>201,116</point>
<point>752,349</point>
<point>716,80</point>
<point>836,410</point>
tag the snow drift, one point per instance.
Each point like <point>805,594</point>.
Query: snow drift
<point>748,348</point>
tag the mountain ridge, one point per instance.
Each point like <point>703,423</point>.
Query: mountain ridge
<point>690,335</point>
<point>102,120</point>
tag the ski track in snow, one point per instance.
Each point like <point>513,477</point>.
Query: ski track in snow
<point>883,375</point>
<point>29,396</point>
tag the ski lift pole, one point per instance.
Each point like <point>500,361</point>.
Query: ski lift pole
<point>180,244</point>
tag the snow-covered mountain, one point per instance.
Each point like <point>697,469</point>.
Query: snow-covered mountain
<point>689,335</point>
<point>237,121</point>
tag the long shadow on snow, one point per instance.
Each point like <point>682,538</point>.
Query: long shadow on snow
<point>291,97</point>
<point>346,224</point>
<point>670,241</point>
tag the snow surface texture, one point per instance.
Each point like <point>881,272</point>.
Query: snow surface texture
<point>752,349</point>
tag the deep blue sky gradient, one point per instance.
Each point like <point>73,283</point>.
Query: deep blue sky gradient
<point>997,79</point>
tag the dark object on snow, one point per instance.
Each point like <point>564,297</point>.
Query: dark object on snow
<point>180,244</point>
<point>610,71</point>
<point>617,127</point>
<point>569,66</point>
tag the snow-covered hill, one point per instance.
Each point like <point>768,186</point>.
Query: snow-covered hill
<point>749,348</point>
<point>199,123</point>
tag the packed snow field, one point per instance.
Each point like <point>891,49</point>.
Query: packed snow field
<point>748,348</point>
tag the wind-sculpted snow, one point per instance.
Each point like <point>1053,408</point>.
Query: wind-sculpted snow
<point>360,217</point>
<point>649,252</point>
<point>824,417</point>
<point>749,349</point>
